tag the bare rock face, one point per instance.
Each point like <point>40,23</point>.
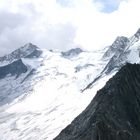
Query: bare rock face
<point>114,113</point>
<point>14,69</point>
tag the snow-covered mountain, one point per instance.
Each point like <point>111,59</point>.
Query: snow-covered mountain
<point>41,90</point>
<point>39,93</point>
<point>27,51</point>
<point>123,50</point>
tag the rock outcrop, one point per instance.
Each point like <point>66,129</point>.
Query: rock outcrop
<point>14,69</point>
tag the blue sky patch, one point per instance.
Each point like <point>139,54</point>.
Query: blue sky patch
<point>109,5</point>
<point>64,3</point>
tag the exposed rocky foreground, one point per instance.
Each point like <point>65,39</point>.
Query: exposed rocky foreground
<point>113,114</point>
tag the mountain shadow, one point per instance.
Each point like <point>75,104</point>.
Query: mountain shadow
<point>15,68</point>
<point>14,81</point>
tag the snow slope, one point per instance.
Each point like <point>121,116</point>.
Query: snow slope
<point>48,96</point>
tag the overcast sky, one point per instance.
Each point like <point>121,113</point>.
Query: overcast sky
<point>62,24</point>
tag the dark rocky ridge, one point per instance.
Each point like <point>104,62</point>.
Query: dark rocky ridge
<point>15,68</point>
<point>114,113</point>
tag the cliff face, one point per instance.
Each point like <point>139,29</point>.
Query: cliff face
<point>113,114</point>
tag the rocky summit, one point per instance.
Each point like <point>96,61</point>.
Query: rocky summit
<point>114,113</point>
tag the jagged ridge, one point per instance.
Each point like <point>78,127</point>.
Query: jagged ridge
<point>118,46</point>
<point>114,112</point>
<point>123,50</point>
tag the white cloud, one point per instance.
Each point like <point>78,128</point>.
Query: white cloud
<point>54,24</point>
<point>98,29</point>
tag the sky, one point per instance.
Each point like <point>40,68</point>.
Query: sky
<point>64,24</point>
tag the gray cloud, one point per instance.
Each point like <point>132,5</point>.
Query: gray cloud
<point>58,36</point>
<point>55,24</point>
<point>17,31</point>
<point>64,3</point>
<point>30,25</point>
<point>9,25</point>
<point>10,20</point>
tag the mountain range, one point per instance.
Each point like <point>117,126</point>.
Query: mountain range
<point>43,91</point>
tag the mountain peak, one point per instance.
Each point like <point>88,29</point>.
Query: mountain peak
<point>28,46</point>
<point>118,45</point>
<point>27,51</point>
<point>72,52</point>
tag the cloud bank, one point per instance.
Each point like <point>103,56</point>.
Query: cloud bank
<point>64,24</point>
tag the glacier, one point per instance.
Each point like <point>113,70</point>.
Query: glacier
<point>38,103</point>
